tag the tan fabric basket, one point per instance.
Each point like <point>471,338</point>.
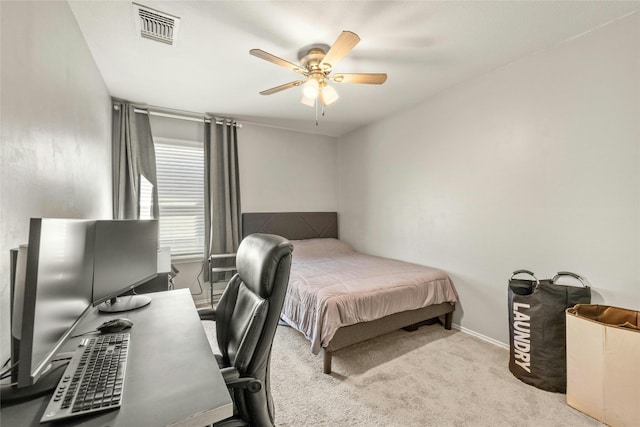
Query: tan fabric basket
<point>603,363</point>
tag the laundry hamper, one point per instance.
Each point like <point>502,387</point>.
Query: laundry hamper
<point>537,328</point>
<point>603,363</point>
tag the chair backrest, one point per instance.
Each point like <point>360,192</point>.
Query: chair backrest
<point>247,316</point>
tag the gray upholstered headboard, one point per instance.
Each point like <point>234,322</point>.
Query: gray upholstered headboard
<point>292,225</point>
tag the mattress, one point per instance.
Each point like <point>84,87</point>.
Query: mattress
<point>331,286</point>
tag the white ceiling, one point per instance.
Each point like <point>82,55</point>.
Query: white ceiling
<point>423,46</point>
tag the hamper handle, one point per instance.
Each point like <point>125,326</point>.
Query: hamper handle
<point>515,273</point>
<point>570,274</point>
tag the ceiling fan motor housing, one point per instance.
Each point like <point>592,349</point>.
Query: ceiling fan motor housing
<point>312,60</point>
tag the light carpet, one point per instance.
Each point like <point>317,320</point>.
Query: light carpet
<point>429,377</point>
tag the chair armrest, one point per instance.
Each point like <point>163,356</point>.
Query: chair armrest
<point>233,380</point>
<point>229,374</point>
<point>207,313</point>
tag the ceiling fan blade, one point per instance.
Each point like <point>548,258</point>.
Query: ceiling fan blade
<point>343,45</point>
<point>281,87</point>
<point>362,78</point>
<point>278,61</point>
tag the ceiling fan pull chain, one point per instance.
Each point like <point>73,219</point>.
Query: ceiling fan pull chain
<point>317,108</point>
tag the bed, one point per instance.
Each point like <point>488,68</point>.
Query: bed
<point>338,297</point>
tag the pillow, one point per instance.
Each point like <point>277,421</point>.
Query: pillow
<point>320,248</point>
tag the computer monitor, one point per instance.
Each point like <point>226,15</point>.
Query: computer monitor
<point>18,268</point>
<point>51,296</point>
<point>126,255</point>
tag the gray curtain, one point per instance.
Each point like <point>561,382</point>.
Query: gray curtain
<point>222,190</point>
<point>133,155</point>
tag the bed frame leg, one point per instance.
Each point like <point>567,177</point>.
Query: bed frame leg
<point>448,318</point>
<point>326,362</point>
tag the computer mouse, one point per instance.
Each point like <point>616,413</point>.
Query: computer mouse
<point>115,325</point>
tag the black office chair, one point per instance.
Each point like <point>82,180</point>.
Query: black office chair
<point>246,319</point>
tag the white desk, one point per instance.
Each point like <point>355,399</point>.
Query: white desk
<point>172,376</point>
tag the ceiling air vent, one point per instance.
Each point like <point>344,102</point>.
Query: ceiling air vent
<point>155,25</point>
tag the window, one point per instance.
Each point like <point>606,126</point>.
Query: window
<point>145,202</point>
<point>180,172</point>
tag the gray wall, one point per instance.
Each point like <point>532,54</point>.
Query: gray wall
<point>284,170</point>
<point>535,165</point>
<point>56,128</point>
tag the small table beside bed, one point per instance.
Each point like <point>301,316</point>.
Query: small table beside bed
<point>338,297</point>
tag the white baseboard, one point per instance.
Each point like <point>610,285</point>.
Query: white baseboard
<point>482,337</point>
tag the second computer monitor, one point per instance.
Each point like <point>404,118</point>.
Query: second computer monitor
<point>51,293</point>
<point>126,255</point>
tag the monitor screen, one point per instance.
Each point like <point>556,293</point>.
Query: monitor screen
<point>126,255</point>
<point>57,290</point>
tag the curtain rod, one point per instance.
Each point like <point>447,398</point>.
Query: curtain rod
<point>180,117</point>
<point>204,117</point>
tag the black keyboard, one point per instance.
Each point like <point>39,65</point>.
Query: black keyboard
<point>93,380</point>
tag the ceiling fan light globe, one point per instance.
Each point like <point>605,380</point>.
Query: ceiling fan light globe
<point>328,95</point>
<point>310,89</point>
<point>308,101</point>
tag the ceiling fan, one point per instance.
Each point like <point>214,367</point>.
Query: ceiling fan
<point>316,64</point>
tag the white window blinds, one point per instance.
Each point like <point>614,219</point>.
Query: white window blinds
<point>180,171</point>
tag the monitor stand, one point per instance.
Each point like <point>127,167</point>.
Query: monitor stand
<point>45,384</point>
<point>124,303</point>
